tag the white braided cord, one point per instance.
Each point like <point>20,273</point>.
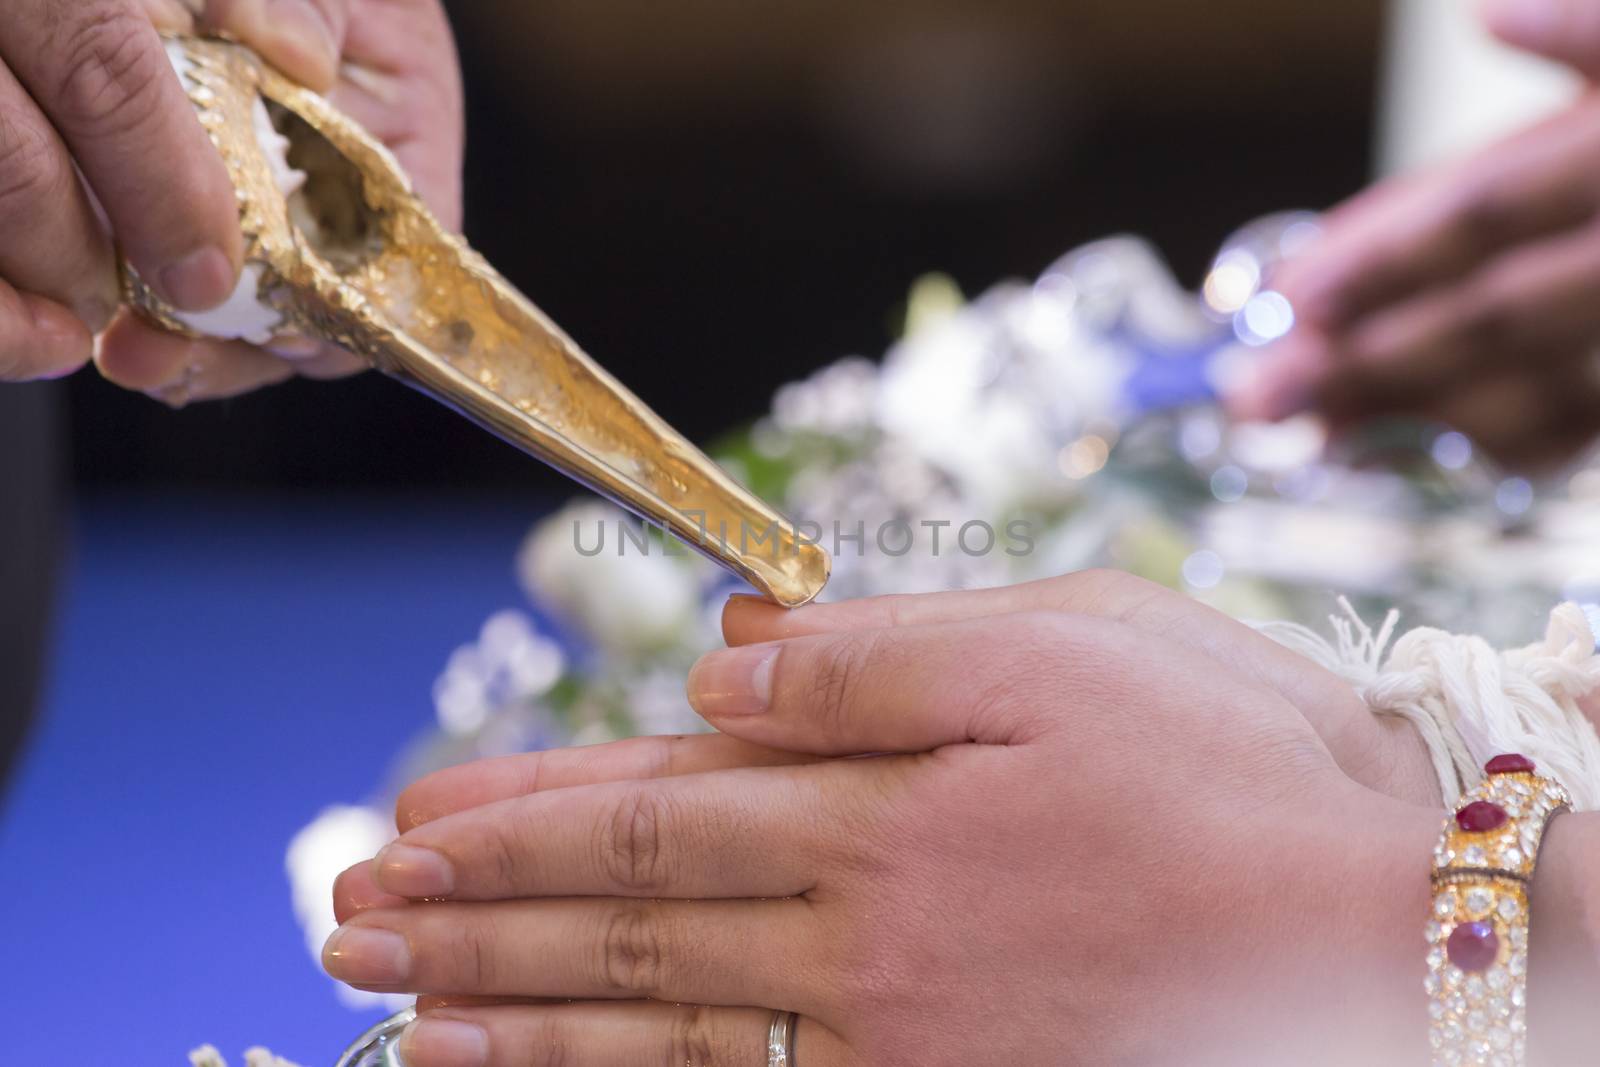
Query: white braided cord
<point>1470,702</point>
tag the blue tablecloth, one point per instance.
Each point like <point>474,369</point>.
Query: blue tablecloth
<point>227,666</point>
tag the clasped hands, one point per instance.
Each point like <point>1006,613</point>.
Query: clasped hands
<point>1099,823</point>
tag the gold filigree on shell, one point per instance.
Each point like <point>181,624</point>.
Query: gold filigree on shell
<point>358,260</point>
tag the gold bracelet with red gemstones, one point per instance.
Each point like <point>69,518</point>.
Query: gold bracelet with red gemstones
<point>1478,933</point>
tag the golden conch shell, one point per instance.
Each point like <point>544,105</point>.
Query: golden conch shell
<point>358,260</point>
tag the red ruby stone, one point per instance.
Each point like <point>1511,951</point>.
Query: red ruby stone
<point>1481,816</point>
<point>1510,763</point>
<point>1473,946</point>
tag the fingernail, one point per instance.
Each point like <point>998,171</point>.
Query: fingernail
<point>737,681</point>
<point>366,955</point>
<point>301,27</point>
<point>418,873</point>
<point>95,313</point>
<point>198,282</point>
<point>432,1042</point>
<point>294,348</point>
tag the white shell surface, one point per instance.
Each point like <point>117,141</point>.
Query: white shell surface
<point>243,316</point>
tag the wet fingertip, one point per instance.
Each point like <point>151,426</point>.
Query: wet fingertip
<point>742,618</point>
<point>433,1040</point>
<point>413,872</point>
<point>753,604</point>
<point>366,956</point>
<point>740,605</point>
<point>355,891</point>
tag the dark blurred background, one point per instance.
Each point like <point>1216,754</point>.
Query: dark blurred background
<point>720,192</point>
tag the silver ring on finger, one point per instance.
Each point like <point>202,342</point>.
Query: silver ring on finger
<point>780,1039</point>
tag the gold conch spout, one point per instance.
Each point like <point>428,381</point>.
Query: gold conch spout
<point>350,255</point>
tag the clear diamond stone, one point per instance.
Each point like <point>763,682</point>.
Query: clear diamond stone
<point>1518,965</point>
<point>1518,1024</point>
<point>1511,857</point>
<point>1436,1010</point>
<point>1431,985</point>
<point>1519,996</point>
<point>1500,1059</point>
<point>1498,979</point>
<point>1519,937</point>
<point>1477,1020</point>
<point>1508,907</point>
<point>1444,905</point>
<point>1522,788</point>
<point>1458,1004</point>
<point>1435,957</point>
<point>1500,1038</point>
<point>1453,976</point>
<point>1499,1006</point>
<point>1474,856</point>
<point>1475,987</point>
<point>1479,900</point>
<point>1452,1032</point>
<point>1434,931</point>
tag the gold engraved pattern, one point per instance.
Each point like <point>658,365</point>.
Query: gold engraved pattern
<point>358,260</point>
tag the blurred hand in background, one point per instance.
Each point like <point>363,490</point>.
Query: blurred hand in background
<point>86,88</point>
<point>1469,292</point>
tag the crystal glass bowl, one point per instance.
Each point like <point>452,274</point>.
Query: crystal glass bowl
<point>378,1046</point>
